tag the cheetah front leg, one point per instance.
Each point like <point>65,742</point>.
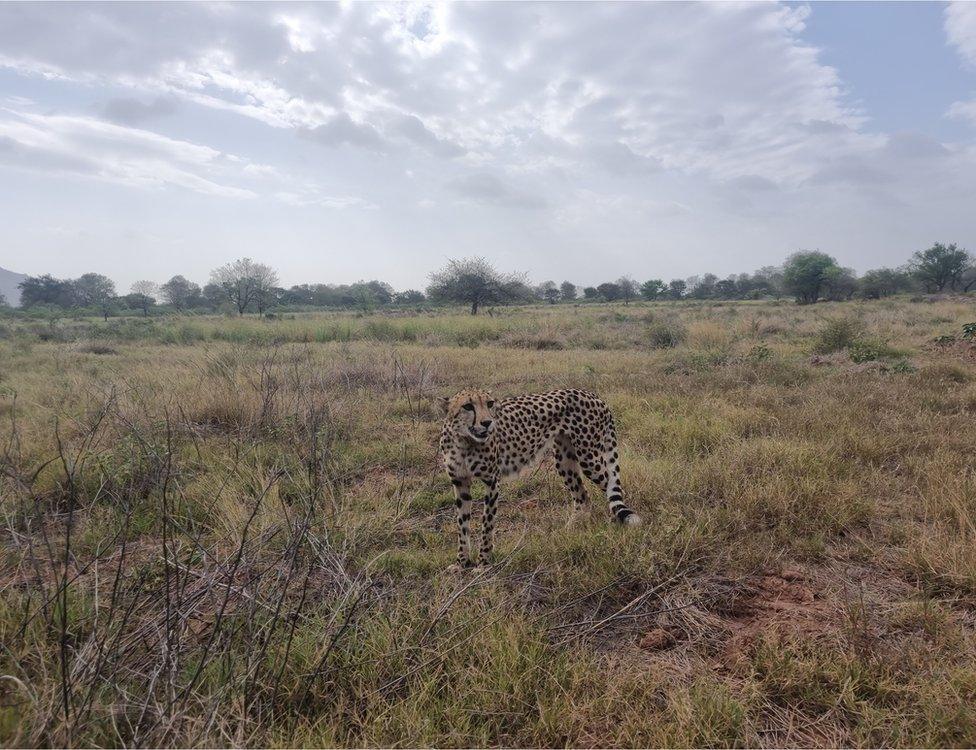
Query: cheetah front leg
<point>488,523</point>
<point>569,469</point>
<point>462,502</point>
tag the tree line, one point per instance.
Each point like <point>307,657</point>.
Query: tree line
<point>246,286</point>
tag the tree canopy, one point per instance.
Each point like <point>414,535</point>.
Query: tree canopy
<point>807,274</point>
<point>474,282</point>
<point>940,266</point>
<point>245,282</point>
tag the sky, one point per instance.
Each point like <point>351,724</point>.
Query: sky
<point>576,141</point>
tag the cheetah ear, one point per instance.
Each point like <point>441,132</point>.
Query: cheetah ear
<point>442,403</point>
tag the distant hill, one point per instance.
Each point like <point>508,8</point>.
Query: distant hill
<point>8,286</point>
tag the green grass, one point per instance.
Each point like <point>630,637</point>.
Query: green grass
<point>258,535</point>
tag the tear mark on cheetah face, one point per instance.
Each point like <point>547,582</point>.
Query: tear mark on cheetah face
<point>469,415</point>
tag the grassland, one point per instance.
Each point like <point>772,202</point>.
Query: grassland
<point>234,532</point>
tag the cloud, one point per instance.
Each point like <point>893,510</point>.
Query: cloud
<point>492,77</point>
<point>342,130</point>
<point>129,111</point>
<point>960,29</point>
<point>488,189</point>
<point>605,123</point>
<point>88,147</point>
<point>413,129</point>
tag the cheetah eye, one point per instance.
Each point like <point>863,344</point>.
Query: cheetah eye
<point>469,407</point>
<point>489,404</point>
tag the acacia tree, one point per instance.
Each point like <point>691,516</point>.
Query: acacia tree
<point>179,292</point>
<point>548,291</point>
<point>245,282</point>
<point>968,279</point>
<point>940,266</point>
<point>47,290</point>
<point>609,291</point>
<point>677,288</point>
<point>882,282</point>
<point>474,282</point>
<point>841,284</point>
<point>652,289</point>
<point>145,294</point>
<point>807,274</point>
<point>95,290</point>
<point>567,290</point>
<point>628,288</point>
<point>409,297</point>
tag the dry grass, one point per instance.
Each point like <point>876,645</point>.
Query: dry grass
<point>223,532</point>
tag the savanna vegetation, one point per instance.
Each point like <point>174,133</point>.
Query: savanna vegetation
<point>243,286</point>
<point>232,531</point>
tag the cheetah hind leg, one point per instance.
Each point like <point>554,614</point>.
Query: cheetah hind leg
<point>568,467</point>
<point>605,473</point>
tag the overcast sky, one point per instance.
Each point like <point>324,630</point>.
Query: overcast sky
<point>570,141</point>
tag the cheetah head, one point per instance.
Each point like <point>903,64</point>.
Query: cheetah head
<point>469,414</point>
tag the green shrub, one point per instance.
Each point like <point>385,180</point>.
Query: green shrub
<point>665,334</point>
<point>838,334</point>
<point>869,351</point>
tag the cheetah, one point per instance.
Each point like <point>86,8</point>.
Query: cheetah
<point>488,440</point>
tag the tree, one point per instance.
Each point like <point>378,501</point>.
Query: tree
<point>215,295</point>
<point>676,289</point>
<point>883,282</point>
<point>47,290</point>
<point>940,266</point>
<point>474,282</point>
<point>727,288</point>
<point>704,287</point>
<point>652,289</point>
<point>841,283</point>
<point>381,292</point>
<point>3,301</point>
<point>144,292</point>
<point>567,290</point>
<point>95,290</point>
<point>609,291</point>
<point>806,274</point>
<point>245,283</point>
<point>180,293</point>
<point>548,291</point>
<point>590,293</point>
<point>628,288</point>
<point>968,279</point>
<point>409,297</point>
<point>768,280</point>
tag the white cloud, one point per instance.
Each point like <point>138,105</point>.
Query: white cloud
<point>88,147</point>
<point>624,84</point>
<point>489,189</point>
<point>960,28</point>
<point>712,126</point>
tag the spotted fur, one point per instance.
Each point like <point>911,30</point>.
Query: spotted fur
<point>488,440</point>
